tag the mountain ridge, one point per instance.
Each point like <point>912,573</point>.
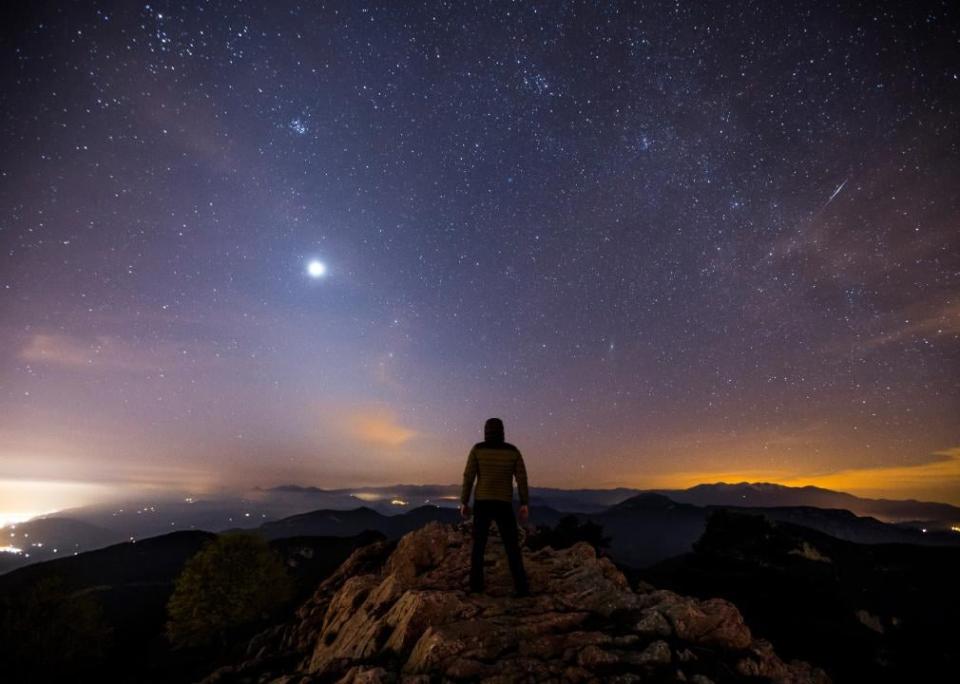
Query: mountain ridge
<point>289,501</point>
<point>707,493</point>
<point>402,615</point>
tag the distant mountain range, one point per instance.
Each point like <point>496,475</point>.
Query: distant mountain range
<point>644,529</point>
<point>750,494</point>
<point>292,510</point>
<point>765,494</point>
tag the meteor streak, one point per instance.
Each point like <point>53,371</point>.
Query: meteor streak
<point>837,191</point>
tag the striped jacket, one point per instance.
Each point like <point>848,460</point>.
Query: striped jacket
<point>494,465</point>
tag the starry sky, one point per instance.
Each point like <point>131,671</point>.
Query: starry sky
<point>667,243</point>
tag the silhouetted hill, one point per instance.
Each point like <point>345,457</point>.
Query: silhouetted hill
<point>52,537</point>
<point>649,501</point>
<point>879,613</point>
<point>154,560</point>
<point>765,495</point>
<point>342,523</point>
<point>650,527</point>
<point>326,523</point>
<point>843,524</point>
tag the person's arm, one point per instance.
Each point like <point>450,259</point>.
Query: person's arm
<point>469,475</point>
<point>520,473</point>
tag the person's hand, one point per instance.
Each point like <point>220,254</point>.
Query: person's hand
<point>524,514</point>
<point>464,511</point>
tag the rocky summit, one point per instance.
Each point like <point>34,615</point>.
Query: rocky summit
<point>401,613</point>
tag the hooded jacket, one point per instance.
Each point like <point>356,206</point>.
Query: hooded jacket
<point>494,463</point>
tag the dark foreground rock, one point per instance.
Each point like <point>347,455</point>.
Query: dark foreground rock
<point>401,615</point>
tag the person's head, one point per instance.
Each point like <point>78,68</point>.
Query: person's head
<point>493,430</point>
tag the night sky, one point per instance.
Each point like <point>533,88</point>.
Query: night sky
<point>668,243</point>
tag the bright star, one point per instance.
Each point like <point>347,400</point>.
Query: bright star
<point>316,269</point>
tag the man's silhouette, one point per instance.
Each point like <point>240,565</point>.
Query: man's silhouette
<point>494,463</point>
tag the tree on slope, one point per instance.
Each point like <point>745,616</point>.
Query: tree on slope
<point>234,581</point>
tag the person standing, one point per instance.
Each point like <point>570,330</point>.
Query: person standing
<point>494,463</point>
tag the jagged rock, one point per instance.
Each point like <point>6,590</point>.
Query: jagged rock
<point>653,623</point>
<point>713,622</point>
<point>366,560</point>
<point>404,616</point>
<point>593,656</point>
<point>655,653</point>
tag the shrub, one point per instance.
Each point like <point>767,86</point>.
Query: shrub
<point>569,531</point>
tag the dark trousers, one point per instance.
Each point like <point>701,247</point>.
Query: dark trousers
<point>502,513</point>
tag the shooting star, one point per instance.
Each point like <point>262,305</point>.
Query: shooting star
<point>837,191</point>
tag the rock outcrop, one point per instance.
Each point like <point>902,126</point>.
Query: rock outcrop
<point>402,615</point>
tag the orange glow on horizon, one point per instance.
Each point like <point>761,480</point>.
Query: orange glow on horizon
<point>937,480</point>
